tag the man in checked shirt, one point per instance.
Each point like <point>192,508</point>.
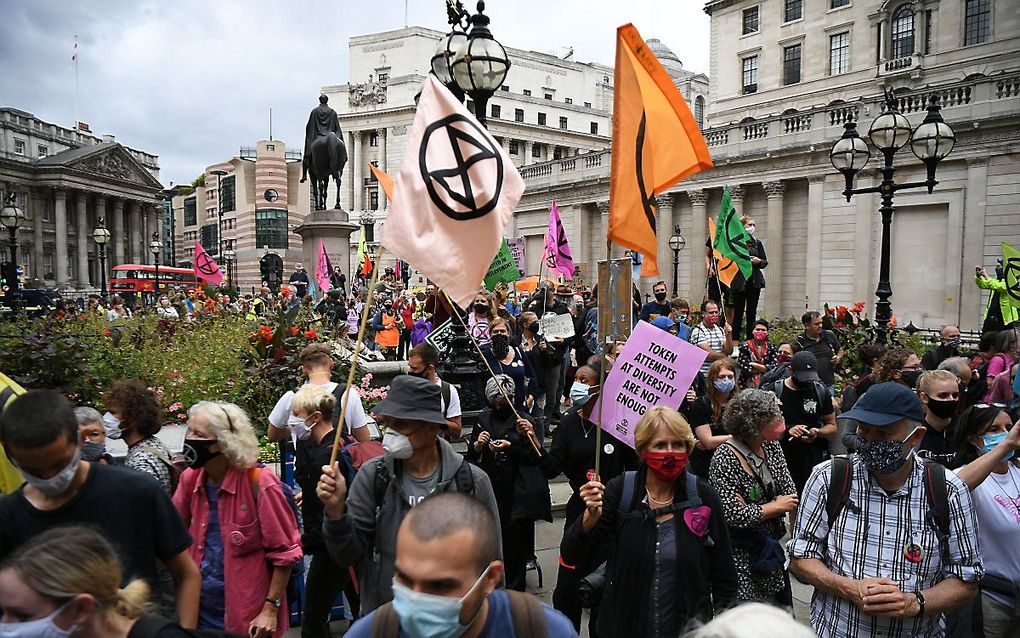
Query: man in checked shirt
<point>879,567</point>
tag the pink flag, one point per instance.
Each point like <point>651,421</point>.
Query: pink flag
<point>557,252</point>
<point>205,267</point>
<point>323,270</point>
<point>456,191</point>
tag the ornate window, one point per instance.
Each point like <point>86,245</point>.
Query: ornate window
<point>750,21</point>
<point>904,28</point>
<point>749,71</point>
<point>977,21</point>
<point>791,64</point>
<point>794,10</point>
<point>699,111</point>
<point>839,53</point>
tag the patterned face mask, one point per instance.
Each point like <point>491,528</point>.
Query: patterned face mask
<point>883,457</point>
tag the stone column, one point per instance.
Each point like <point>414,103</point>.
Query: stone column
<point>382,166</point>
<point>774,247</point>
<point>604,216</point>
<point>359,179</point>
<point>527,152</point>
<point>35,201</point>
<point>348,176</point>
<point>83,240</point>
<point>973,300</point>
<point>117,230</point>
<point>737,197</point>
<point>698,233</point>
<point>135,218</point>
<point>813,272</point>
<point>664,230</point>
<point>60,221</point>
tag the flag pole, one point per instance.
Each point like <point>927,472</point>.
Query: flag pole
<point>492,373</point>
<point>610,341</point>
<point>354,361</point>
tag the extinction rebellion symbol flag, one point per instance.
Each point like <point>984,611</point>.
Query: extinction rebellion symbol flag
<point>206,268</point>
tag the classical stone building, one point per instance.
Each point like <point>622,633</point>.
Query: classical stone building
<point>550,109</point>
<point>261,201</point>
<point>786,75</point>
<point>66,180</point>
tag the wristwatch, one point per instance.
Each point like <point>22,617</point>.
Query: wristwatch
<point>276,602</point>
<point>920,604</point>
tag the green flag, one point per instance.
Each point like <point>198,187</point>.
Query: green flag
<point>1011,270</point>
<point>730,237</point>
<point>503,268</point>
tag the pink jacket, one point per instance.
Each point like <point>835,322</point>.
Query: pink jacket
<point>257,536</point>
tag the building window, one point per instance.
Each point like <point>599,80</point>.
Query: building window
<point>373,140</point>
<point>210,239</point>
<point>563,123</point>
<point>903,32</point>
<point>699,111</point>
<point>42,151</point>
<point>794,10</point>
<point>750,20</point>
<point>548,96</point>
<point>228,200</point>
<point>271,148</point>
<point>383,78</point>
<point>527,92</point>
<point>750,74</point>
<point>518,115</point>
<point>977,21</point>
<point>373,200</point>
<point>594,128</point>
<point>927,32</point>
<point>541,119</point>
<point>557,153</point>
<point>839,53</point>
<point>514,147</point>
<point>505,87</point>
<point>536,150</point>
<point>568,100</point>
<point>48,264</point>
<point>791,64</point>
<point>190,211</point>
<point>835,4</point>
<point>19,147</point>
<point>271,228</point>
<point>495,111</point>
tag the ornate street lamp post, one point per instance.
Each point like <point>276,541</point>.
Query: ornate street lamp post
<point>12,217</point>
<point>101,236</point>
<point>931,141</point>
<point>230,256</point>
<point>155,247</point>
<point>676,244</point>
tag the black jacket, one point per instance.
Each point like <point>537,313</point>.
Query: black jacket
<point>706,575</point>
<point>755,249</point>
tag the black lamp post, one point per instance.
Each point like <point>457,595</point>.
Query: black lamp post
<point>219,212</point>
<point>12,217</point>
<point>931,141</point>
<point>101,236</point>
<point>155,247</point>
<point>230,256</point>
<point>472,62</point>
<point>676,243</point>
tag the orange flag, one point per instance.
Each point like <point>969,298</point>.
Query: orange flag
<point>385,180</point>
<point>656,143</point>
<point>727,268</point>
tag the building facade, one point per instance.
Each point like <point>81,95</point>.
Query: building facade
<point>252,207</point>
<point>786,76</point>
<point>65,181</point>
<point>549,109</point>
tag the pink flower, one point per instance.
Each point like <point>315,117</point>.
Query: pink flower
<point>181,415</point>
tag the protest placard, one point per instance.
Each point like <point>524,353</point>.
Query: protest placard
<point>503,269</point>
<point>516,245</point>
<point>553,325</point>
<point>655,368</point>
<point>441,336</point>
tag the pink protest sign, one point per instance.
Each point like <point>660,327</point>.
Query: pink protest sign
<point>655,368</point>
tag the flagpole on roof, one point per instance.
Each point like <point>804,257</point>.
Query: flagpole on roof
<point>74,59</point>
<point>354,360</point>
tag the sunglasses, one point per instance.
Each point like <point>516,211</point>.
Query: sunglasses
<point>986,406</point>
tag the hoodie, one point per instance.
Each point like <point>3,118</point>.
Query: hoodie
<point>366,537</point>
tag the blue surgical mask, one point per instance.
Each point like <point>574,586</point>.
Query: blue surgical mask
<point>724,385</point>
<point>112,426</point>
<point>579,393</point>
<point>430,616</point>
<point>991,440</point>
<point>39,628</point>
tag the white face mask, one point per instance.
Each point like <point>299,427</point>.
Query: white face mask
<point>397,445</point>
<point>299,428</point>
<point>59,482</point>
<point>39,628</point>
<point>750,229</point>
<point>112,426</point>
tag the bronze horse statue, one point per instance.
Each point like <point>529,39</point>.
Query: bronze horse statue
<point>326,158</point>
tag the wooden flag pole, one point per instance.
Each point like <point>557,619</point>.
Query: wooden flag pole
<point>610,341</point>
<point>492,373</point>
<point>354,359</point>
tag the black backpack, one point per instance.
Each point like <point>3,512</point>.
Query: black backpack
<point>463,479</point>
<point>935,490</point>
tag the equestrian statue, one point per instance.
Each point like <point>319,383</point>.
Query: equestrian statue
<point>325,152</point>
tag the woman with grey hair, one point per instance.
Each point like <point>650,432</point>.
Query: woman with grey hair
<point>500,446</point>
<point>754,484</point>
<point>92,436</point>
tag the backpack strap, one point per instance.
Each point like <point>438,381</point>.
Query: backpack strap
<point>338,394</point>
<point>527,614</point>
<point>839,487</point>
<point>937,494</point>
<point>385,622</point>
<point>692,499</point>
<point>382,481</point>
<point>464,479</point>
<point>157,453</point>
<point>445,390</point>
<point>254,474</point>
<point>626,497</point>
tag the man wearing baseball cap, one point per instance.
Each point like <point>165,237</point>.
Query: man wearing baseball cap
<point>884,565</point>
<point>362,531</point>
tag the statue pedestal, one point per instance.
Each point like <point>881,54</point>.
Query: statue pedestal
<point>333,227</point>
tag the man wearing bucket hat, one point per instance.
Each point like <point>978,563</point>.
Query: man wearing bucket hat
<point>363,531</point>
<point>888,540</point>
<point>299,279</point>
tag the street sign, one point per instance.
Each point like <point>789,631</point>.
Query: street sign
<point>440,337</point>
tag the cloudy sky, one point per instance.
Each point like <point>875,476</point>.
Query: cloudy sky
<point>193,80</point>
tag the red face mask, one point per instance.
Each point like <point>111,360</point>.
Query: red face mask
<point>774,431</point>
<point>668,466</point>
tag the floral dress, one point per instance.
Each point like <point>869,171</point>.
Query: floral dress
<point>748,353</point>
<point>730,479</point>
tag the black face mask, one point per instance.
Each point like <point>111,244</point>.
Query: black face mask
<point>196,452</point>
<point>942,409</point>
<point>481,308</point>
<point>500,345</point>
<point>534,327</point>
<point>910,377</point>
<point>660,296</point>
<point>424,374</point>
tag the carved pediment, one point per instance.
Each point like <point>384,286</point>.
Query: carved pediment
<point>367,94</point>
<point>116,163</point>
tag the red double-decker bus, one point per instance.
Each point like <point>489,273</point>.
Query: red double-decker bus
<point>139,278</point>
